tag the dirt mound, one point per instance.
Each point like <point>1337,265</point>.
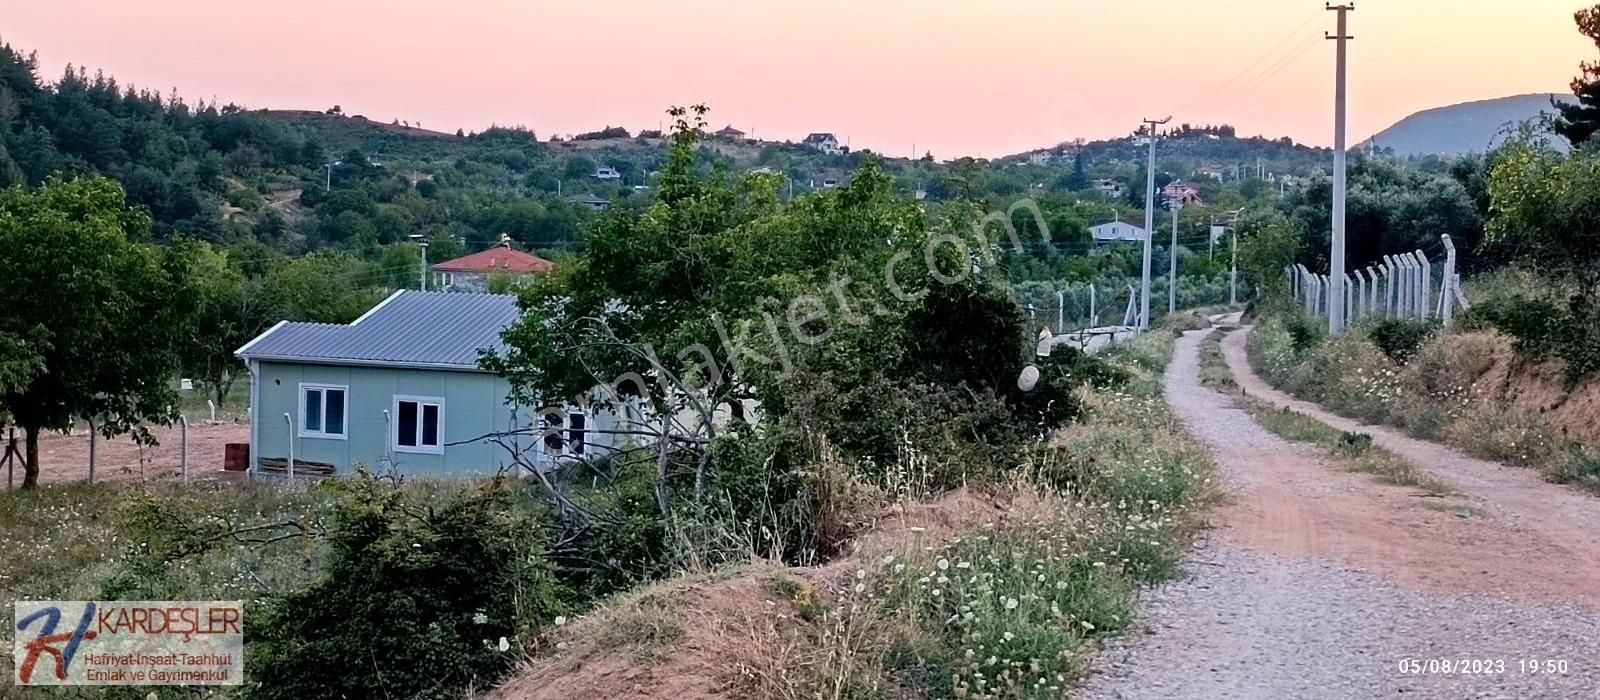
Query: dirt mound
<point>1488,362</point>
<point>729,634</point>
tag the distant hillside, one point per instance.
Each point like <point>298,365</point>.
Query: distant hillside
<point>1461,128</point>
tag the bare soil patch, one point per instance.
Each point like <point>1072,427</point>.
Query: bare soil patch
<point>65,458</point>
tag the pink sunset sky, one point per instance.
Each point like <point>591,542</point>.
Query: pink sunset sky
<point>957,77</point>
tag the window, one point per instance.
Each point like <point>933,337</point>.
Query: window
<point>565,435</point>
<point>419,424</point>
<point>322,410</point>
<point>576,430</point>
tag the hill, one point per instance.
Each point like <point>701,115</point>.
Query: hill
<point>1467,127</point>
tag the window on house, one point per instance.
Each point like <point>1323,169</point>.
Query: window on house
<point>419,424</point>
<point>554,442</point>
<point>577,430</point>
<point>565,434</point>
<point>322,410</point>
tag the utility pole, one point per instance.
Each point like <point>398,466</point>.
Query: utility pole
<point>1149,221</point>
<point>1172,262</point>
<point>1336,258</point>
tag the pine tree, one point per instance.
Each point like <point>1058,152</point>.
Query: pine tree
<point>1578,122</point>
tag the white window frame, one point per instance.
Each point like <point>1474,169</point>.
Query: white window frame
<point>394,430</point>
<point>321,433</point>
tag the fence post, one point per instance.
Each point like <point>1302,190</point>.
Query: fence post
<point>1094,314</point>
<point>1425,288</point>
<point>1446,293</point>
<point>183,449</point>
<point>290,422</point>
<point>92,435</point>
<point>1361,295</point>
<point>1388,286</point>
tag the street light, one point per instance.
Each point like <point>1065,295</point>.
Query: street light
<point>422,241</point>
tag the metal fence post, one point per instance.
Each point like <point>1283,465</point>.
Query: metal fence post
<point>290,422</point>
<point>92,435</point>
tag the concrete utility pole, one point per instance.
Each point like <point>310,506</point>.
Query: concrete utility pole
<point>1336,258</point>
<point>1149,220</point>
<point>1172,263</point>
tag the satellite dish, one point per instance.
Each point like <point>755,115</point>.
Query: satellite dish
<point>1028,379</point>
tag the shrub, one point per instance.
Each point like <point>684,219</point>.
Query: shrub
<point>1305,331</point>
<point>417,600</point>
<point>1399,339</point>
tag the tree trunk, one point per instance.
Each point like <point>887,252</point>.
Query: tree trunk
<point>30,462</point>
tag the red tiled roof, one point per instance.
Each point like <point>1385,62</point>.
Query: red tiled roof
<point>497,259</point>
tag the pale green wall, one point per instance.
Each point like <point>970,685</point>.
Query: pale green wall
<point>474,405</point>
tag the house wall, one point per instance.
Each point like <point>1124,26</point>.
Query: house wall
<point>474,406</point>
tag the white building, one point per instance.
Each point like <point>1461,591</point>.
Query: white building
<point>1115,230</point>
<point>606,172</point>
<point>1110,188</point>
<point>824,142</point>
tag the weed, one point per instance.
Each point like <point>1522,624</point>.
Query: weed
<point>646,625</point>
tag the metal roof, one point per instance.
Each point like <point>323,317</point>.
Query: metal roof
<point>431,330</point>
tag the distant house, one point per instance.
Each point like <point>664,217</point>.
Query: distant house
<point>1116,230</point>
<point>1110,188</point>
<point>728,132</point>
<point>1211,172</point>
<point>824,142</point>
<point>1180,192</point>
<point>591,201</point>
<point>606,172</point>
<point>1040,157</point>
<point>826,182</point>
<point>471,273</point>
<point>399,388</point>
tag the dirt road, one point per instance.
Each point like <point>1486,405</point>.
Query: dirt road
<point>1321,583</point>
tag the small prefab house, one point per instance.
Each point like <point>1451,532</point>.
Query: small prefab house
<point>399,389</point>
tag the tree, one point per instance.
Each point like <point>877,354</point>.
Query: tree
<point>103,339</point>
<point>1546,211</point>
<point>1578,122</point>
<point>225,316</point>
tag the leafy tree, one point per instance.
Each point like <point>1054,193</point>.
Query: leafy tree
<point>1546,210</point>
<point>226,315</point>
<point>1578,122</point>
<point>99,316</point>
<point>1267,244</point>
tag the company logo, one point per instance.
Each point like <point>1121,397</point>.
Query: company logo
<point>128,643</point>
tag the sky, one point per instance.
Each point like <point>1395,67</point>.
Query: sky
<point>951,77</point>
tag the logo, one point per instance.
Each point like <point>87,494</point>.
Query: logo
<point>128,643</point>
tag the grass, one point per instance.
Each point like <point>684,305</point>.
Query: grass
<point>1353,451</point>
<point>1214,371</point>
<point>647,626</point>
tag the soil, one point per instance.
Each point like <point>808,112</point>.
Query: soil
<point>65,458</point>
<point>1319,583</point>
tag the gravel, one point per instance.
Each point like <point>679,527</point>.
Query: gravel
<point>1254,624</point>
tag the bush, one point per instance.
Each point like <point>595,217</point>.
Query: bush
<point>1305,331</point>
<point>1399,339</point>
<point>417,600</point>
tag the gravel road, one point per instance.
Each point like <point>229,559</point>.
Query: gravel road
<point>1319,583</point>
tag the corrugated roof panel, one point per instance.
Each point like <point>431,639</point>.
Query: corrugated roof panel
<point>446,329</point>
